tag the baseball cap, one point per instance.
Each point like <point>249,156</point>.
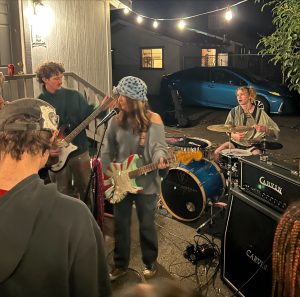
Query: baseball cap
<point>43,115</point>
<point>132,87</point>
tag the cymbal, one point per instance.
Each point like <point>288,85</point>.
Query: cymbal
<point>229,128</point>
<point>268,145</point>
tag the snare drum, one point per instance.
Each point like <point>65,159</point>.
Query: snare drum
<point>186,189</point>
<point>229,159</point>
<point>231,156</point>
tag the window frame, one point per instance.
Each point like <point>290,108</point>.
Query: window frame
<point>151,48</point>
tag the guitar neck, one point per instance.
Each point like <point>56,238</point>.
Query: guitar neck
<point>91,117</point>
<point>144,169</point>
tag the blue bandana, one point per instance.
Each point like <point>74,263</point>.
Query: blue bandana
<point>132,87</point>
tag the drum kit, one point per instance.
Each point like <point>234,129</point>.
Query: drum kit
<point>189,188</point>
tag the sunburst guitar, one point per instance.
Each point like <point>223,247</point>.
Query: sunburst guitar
<point>121,176</point>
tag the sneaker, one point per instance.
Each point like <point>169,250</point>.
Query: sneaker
<point>116,273</point>
<point>149,271</point>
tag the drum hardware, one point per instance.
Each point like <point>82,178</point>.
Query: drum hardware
<point>210,221</point>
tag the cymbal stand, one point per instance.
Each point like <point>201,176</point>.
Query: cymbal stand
<point>212,215</point>
<point>230,168</point>
<point>264,156</point>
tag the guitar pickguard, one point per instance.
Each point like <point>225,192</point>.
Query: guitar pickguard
<point>121,183</point>
<point>66,150</point>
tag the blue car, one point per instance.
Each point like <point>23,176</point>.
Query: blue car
<point>216,87</point>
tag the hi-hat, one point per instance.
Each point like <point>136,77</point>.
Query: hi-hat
<point>268,145</point>
<point>229,128</point>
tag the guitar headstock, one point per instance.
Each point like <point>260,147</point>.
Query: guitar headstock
<point>186,156</point>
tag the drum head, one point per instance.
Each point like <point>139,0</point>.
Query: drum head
<point>182,195</point>
<point>236,152</point>
<point>193,142</point>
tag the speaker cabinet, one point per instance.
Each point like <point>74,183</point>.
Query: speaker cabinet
<point>247,246</point>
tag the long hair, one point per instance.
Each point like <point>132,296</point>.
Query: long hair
<point>249,90</point>
<point>16,143</point>
<point>286,254</point>
<point>138,117</point>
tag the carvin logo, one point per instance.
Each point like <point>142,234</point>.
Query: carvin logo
<point>270,185</point>
<point>256,260</point>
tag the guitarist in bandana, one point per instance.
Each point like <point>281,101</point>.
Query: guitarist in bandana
<point>136,130</point>
<point>72,109</point>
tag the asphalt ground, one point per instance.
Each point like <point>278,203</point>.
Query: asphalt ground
<point>175,233</point>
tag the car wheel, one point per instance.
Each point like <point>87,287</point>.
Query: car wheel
<point>265,103</point>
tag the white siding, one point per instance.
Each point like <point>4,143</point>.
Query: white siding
<point>80,38</point>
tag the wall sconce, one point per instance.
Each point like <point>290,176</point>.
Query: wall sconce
<point>41,22</point>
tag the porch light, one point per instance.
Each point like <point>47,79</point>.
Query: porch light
<point>41,22</point>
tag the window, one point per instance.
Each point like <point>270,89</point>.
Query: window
<point>222,59</point>
<point>224,77</point>
<point>208,57</point>
<point>152,58</point>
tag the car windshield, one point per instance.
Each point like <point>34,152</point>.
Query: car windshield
<point>251,77</point>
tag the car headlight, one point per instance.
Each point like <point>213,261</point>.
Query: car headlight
<point>275,93</point>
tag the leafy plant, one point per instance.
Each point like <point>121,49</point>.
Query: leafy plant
<point>284,43</point>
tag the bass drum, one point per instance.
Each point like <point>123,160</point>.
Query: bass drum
<point>186,188</point>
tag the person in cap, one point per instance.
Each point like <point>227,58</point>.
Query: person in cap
<point>136,130</point>
<point>50,243</point>
<point>72,109</point>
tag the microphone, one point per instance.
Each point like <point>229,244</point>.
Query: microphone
<point>115,111</point>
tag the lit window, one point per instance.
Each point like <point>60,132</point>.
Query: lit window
<point>152,58</point>
<point>208,57</point>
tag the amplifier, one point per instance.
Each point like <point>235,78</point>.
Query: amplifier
<point>269,181</point>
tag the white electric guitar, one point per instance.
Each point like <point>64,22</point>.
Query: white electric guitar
<point>121,176</point>
<point>65,144</point>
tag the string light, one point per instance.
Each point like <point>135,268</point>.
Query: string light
<point>155,24</point>
<point>181,24</point>
<point>228,15</point>
<point>126,10</point>
<point>139,19</point>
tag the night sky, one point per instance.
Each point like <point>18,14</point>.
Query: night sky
<point>246,26</point>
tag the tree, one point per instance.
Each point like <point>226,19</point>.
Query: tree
<point>284,43</point>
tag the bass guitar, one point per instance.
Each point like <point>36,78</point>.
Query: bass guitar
<point>121,176</point>
<point>65,145</point>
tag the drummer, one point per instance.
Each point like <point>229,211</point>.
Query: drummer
<point>248,113</point>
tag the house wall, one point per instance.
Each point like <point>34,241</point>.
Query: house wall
<point>79,38</point>
<point>126,44</point>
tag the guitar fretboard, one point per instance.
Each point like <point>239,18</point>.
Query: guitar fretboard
<point>92,116</point>
<point>147,168</point>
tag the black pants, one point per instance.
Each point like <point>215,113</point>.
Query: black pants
<point>145,207</point>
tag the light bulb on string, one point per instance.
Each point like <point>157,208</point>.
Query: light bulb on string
<point>228,15</point>
<point>126,10</point>
<point>155,24</point>
<point>139,19</point>
<point>181,25</point>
